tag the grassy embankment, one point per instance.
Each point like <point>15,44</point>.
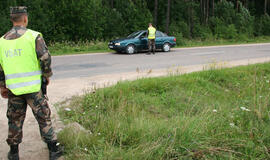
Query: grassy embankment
<point>66,48</point>
<point>215,114</point>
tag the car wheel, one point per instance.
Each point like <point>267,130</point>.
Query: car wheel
<point>166,47</point>
<point>130,49</point>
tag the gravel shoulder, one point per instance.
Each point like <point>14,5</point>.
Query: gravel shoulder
<point>33,148</point>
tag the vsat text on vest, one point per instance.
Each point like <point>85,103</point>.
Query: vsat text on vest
<point>13,52</point>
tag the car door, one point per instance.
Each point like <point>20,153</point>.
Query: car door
<point>143,41</point>
<point>159,40</point>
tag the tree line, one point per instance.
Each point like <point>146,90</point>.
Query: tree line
<point>88,20</point>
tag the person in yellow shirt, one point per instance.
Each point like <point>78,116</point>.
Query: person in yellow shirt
<point>151,34</point>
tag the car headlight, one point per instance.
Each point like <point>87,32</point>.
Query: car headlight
<point>117,44</point>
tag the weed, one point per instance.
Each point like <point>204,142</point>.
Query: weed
<point>214,114</point>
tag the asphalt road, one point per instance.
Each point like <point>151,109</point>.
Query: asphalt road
<point>88,65</point>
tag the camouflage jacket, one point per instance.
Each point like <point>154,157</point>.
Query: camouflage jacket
<point>42,51</point>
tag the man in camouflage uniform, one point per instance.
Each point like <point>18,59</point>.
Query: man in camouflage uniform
<point>17,104</point>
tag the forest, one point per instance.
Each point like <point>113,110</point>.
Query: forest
<point>102,20</point>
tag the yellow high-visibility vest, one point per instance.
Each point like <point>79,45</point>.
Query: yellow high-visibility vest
<point>19,61</point>
<point>151,33</point>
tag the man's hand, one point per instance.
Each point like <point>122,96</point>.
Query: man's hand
<point>48,80</point>
<point>4,92</point>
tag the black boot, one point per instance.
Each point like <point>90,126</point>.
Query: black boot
<point>55,150</point>
<point>13,154</point>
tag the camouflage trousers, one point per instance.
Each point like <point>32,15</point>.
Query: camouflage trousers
<point>151,45</point>
<point>17,106</point>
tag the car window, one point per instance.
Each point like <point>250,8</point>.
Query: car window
<point>143,35</point>
<point>163,34</point>
<point>133,35</point>
<point>159,34</point>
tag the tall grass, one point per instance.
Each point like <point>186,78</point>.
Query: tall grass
<point>215,114</point>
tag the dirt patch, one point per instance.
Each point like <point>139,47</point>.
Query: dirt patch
<point>33,148</point>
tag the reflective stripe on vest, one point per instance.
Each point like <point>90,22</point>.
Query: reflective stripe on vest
<point>151,33</point>
<point>19,61</point>
<point>23,84</point>
<point>21,75</point>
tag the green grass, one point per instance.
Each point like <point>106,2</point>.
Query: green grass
<point>66,48</point>
<point>214,42</point>
<point>191,116</point>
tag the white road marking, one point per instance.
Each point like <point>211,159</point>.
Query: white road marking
<point>225,46</point>
<point>207,53</point>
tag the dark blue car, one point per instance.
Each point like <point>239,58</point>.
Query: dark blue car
<point>137,42</point>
